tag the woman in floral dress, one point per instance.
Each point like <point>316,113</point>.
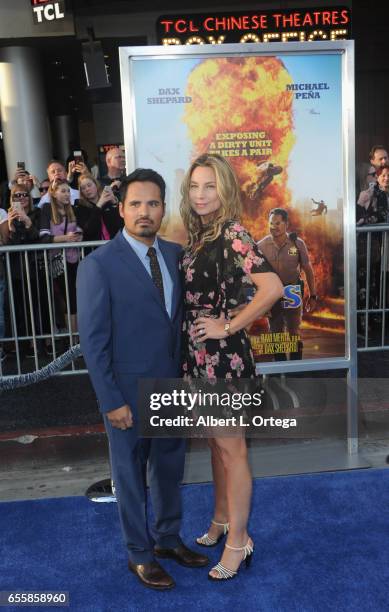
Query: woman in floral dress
<point>220,262</point>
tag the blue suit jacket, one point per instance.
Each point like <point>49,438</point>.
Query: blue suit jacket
<point>125,331</point>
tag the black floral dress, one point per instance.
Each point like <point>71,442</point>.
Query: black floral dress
<point>215,281</point>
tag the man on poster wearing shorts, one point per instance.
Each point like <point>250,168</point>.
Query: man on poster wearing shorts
<point>288,255</point>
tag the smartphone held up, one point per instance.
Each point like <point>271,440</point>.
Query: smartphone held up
<point>17,206</point>
<point>78,158</point>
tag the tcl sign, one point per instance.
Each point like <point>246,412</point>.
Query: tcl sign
<point>45,10</point>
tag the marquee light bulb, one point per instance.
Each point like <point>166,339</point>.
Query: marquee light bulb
<point>171,41</point>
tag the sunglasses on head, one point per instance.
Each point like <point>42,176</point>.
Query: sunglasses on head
<point>21,194</point>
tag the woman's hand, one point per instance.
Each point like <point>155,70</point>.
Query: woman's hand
<point>74,236</point>
<point>269,289</point>
<point>81,168</point>
<point>24,218</point>
<point>19,174</point>
<point>34,180</point>
<point>74,167</point>
<point>70,237</point>
<point>18,215</point>
<point>13,215</point>
<point>106,196</point>
<point>235,311</point>
<point>207,328</point>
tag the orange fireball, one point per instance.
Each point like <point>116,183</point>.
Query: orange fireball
<point>241,109</point>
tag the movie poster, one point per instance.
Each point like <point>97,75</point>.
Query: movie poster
<point>278,120</point>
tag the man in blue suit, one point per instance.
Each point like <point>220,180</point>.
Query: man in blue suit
<point>129,318</point>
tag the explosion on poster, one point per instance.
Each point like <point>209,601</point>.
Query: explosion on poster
<point>273,118</point>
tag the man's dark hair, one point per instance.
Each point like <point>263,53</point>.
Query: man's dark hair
<point>374,149</point>
<point>143,175</point>
<point>279,211</point>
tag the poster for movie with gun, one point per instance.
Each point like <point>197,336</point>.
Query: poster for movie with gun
<point>278,121</point>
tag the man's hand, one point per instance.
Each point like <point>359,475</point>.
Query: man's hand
<point>115,184</point>
<point>310,304</point>
<point>121,418</point>
<point>71,171</point>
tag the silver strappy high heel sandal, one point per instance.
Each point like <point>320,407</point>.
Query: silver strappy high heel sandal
<point>224,573</point>
<point>206,540</point>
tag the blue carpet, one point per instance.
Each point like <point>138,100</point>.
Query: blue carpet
<point>321,543</point>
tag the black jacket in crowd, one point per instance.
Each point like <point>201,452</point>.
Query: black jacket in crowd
<point>377,211</point>
<point>89,219</point>
<point>22,236</point>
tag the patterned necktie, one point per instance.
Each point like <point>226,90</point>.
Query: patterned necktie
<point>156,274</point>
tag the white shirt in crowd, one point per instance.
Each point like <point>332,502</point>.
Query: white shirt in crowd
<point>3,216</point>
<point>74,195</point>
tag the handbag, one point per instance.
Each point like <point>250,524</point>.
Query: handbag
<point>55,262</point>
<point>56,265</point>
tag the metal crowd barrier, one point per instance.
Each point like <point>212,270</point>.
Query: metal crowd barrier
<point>34,315</point>
<point>372,287</point>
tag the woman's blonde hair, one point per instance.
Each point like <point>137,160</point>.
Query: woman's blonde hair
<point>55,216</point>
<point>229,195</point>
<point>99,187</point>
<point>27,189</point>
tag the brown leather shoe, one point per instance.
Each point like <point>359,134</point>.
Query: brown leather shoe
<point>152,575</point>
<point>183,556</point>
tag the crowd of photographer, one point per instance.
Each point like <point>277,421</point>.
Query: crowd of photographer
<point>70,205</point>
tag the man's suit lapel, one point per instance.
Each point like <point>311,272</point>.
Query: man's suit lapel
<point>135,266</point>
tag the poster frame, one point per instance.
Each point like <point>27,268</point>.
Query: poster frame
<point>344,48</point>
